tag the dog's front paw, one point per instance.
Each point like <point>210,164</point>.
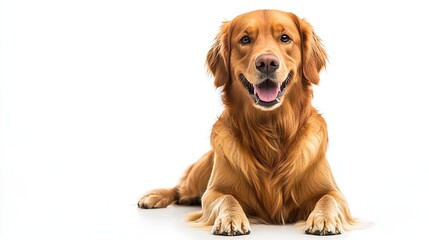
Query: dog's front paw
<point>231,223</point>
<point>325,218</point>
<point>323,223</point>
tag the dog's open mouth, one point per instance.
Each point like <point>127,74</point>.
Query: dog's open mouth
<point>268,92</point>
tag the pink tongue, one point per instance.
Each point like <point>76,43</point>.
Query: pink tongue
<point>267,93</point>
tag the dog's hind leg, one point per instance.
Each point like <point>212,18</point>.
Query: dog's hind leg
<point>194,182</point>
<point>189,190</point>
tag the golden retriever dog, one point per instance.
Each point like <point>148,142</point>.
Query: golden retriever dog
<point>268,158</point>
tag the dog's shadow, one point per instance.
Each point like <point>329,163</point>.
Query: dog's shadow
<point>171,222</point>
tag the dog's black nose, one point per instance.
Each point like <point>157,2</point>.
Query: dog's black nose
<point>267,63</point>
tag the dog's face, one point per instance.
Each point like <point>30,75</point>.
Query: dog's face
<point>265,56</point>
<point>261,54</point>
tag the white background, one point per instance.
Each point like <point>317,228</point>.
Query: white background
<point>101,101</point>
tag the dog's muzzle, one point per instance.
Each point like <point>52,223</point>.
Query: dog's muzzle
<point>268,92</point>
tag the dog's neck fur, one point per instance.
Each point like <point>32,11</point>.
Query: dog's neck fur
<point>276,129</point>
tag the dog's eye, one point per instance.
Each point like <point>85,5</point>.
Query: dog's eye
<point>245,40</point>
<point>285,38</point>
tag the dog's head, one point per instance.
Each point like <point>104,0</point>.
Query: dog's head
<point>262,54</point>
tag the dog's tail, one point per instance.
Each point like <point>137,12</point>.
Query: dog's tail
<point>196,219</point>
<point>194,216</point>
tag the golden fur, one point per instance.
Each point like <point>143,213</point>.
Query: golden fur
<point>267,163</point>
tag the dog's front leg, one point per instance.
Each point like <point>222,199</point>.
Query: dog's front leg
<point>226,212</point>
<point>326,218</point>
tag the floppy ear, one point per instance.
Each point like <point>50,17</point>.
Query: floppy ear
<point>218,56</point>
<point>313,54</point>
